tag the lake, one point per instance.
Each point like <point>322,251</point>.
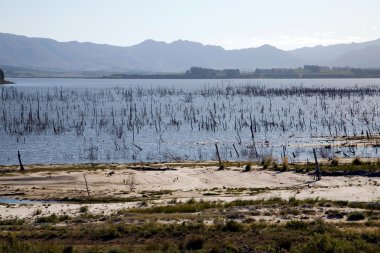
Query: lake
<point>55,120</point>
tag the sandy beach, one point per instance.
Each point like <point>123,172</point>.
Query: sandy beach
<point>59,185</point>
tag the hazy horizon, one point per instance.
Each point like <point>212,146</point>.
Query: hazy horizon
<point>238,24</point>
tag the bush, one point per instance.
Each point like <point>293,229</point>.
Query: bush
<point>267,162</point>
<point>357,161</point>
<point>233,226</point>
<point>248,167</point>
<point>68,249</point>
<point>296,225</point>
<point>52,218</point>
<point>326,243</point>
<point>293,201</point>
<point>169,247</point>
<point>285,164</point>
<point>355,216</point>
<point>38,211</point>
<point>334,162</point>
<point>83,209</point>
<point>194,242</point>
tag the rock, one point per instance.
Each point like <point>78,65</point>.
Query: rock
<point>2,78</point>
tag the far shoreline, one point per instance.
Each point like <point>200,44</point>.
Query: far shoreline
<point>147,78</point>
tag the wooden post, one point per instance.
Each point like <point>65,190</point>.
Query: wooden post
<point>317,169</point>
<point>220,161</point>
<point>19,160</point>
<point>88,191</point>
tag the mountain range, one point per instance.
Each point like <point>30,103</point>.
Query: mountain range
<point>154,56</point>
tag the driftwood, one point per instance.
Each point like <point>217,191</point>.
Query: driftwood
<point>150,169</point>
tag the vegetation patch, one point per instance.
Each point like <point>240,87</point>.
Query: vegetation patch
<point>355,216</point>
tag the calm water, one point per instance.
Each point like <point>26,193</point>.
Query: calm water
<point>95,120</point>
<point>22,201</point>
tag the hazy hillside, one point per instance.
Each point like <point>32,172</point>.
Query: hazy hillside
<point>150,55</point>
<point>327,55</point>
<point>363,58</point>
<point>153,56</point>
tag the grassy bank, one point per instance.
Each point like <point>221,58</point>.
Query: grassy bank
<point>228,236</point>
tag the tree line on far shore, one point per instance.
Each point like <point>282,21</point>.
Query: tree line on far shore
<point>307,71</point>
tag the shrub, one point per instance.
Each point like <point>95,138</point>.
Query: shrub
<point>357,161</point>
<point>355,216</point>
<point>52,218</point>
<point>285,164</point>
<point>296,225</point>
<point>38,211</point>
<point>170,247</point>
<point>191,201</point>
<point>275,165</point>
<point>48,219</point>
<point>293,201</point>
<point>327,243</point>
<point>248,167</point>
<point>194,242</point>
<point>233,226</point>
<point>335,162</point>
<point>267,162</point>
<point>68,249</point>
<point>83,209</point>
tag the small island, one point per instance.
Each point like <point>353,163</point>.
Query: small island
<point>2,78</point>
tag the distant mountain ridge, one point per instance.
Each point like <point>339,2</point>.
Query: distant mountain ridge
<point>177,56</point>
<point>335,55</point>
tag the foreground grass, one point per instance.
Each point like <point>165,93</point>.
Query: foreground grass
<point>89,233</point>
<point>222,236</point>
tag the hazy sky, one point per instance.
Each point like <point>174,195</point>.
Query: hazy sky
<point>286,24</point>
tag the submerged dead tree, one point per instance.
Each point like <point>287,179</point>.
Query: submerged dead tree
<point>19,160</point>
<point>221,167</point>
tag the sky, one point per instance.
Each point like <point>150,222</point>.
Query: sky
<point>232,24</point>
